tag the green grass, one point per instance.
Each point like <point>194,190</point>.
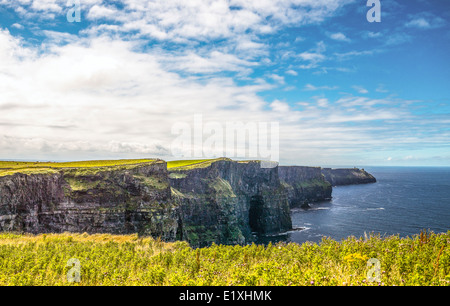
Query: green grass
<point>222,187</point>
<point>191,164</point>
<point>36,170</point>
<point>129,260</point>
<point>11,167</point>
<point>152,182</point>
<point>90,167</point>
<point>175,175</point>
<point>78,185</point>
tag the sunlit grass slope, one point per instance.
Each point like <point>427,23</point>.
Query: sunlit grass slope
<point>131,260</point>
<point>190,164</point>
<point>11,167</point>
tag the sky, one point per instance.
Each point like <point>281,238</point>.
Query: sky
<point>116,82</point>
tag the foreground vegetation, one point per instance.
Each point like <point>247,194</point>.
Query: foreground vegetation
<point>131,260</point>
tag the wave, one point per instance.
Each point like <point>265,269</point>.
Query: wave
<point>294,230</point>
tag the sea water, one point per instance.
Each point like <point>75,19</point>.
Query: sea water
<point>403,202</point>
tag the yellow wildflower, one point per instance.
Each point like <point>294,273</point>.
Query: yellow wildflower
<point>355,257</point>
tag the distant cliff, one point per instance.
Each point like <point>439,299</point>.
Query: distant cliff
<point>304,184</point>
<point>354,176</point>
<point>221,201</point>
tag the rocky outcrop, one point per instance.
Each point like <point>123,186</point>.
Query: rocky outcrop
<point>304,185</point>
<point>354,176</point>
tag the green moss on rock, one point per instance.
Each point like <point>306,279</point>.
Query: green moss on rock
<point>152,181</point>
<point>222,187</point>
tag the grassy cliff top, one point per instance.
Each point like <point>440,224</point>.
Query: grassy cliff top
<point>12,167</point>
<point>192,164</point>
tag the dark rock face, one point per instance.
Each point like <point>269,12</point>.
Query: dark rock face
<point>223,203</point>
<point>227,201</point>
<point>136,200</point>
<point>339,177</point>
<point>304,185</point>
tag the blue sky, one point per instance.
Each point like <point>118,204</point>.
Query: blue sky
<point>344,91</point>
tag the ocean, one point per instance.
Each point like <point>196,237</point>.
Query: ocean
<point>404,201</point>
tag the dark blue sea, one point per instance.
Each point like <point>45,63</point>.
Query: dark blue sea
<point>403,202</point>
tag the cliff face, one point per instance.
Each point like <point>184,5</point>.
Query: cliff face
<point>227,201</point>
<point>221,201</point>
<point>339,177</point>
<point>304,184</point>
<point>120,201</point>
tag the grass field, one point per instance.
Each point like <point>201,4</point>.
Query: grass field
<point>12,167</point>
<point>189,164</point>
<point>131,260</point>
<point>184,163</point>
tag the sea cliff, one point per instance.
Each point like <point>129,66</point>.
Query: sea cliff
<point>351,176</point>
<point>216,201</point>
<point>227,201</point>
<point>116,200</point>
<point>304,185</point>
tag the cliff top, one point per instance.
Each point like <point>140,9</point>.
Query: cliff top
<point>192,164</point>
<point>12,167</point>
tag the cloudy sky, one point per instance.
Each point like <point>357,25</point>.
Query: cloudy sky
<point>344,91</point>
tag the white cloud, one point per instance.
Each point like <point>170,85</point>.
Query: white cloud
<point>101,91</point>
<point>184,21</point>
<point>351,54</point>
<point>310,87</point>
<point>47,5</point>
<point>397,39</point>
<point>425,20</point>
<point>17,26</point>
<point>418,23</point>
<point>292,72</point>
<point>279,106</point>
<point>97,12</point>
<point>370,34</point>
<point>322,102</point>
<point>339,36</point>
<point>360,89</point>
<point>313,56</point>
<point>213,62</point>
<point>59,37</point>
<point>277,78</point>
